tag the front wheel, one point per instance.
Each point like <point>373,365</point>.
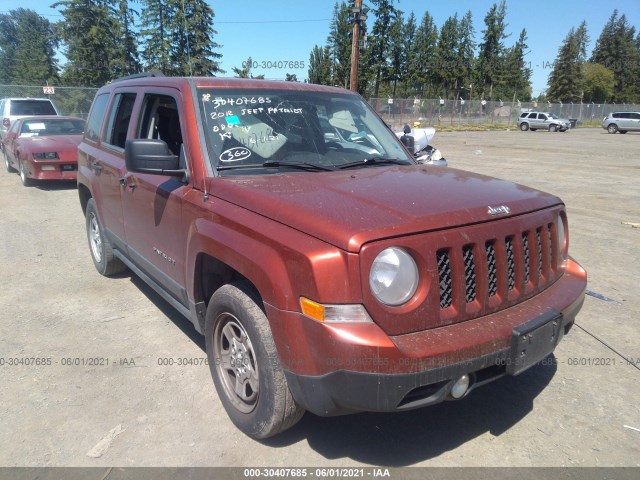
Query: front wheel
<point>553,128</point>
<point>524,126</point>
<point>24,175</point>
<point>7,165</point>
<point>613,128</point>
<point>102,255</point>
<point>245,365</point>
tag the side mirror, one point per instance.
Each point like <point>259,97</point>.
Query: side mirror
<point>153,157</point>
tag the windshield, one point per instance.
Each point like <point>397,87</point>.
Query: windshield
<point>31,128</point>
<point>265,131</point>
<point>553,115</point>
<point>31,107</point>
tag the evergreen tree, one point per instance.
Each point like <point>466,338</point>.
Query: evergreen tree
<point>566,78</point>
<point>126,58</point>
<point>616,50</point>
<point>397,50</point>
<point>422,65</point>
<point>27,43</point>
<point>245,71</point>
<point>490,62</point>
<point>87,32</point>
<point>320,66</point>
<point>376,55</point>
<point>156,31</point>
<point>339,42</point>
<point>446,58</point>
<point>466,52</point>
<point>517,72</point>
<point>409,33</point>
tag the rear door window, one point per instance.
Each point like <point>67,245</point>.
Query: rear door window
<point>119,119</point>
<point>32,107</point>
<point>94,123</point>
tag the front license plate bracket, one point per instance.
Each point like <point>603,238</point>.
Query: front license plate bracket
<point>533,341</point>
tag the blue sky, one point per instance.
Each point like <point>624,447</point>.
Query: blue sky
<point>286,30</point>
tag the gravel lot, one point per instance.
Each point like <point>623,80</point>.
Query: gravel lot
<point>102,396</point>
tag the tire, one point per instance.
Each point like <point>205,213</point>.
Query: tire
<point>553,128</point>
<point>613,128</point>
<point>102,255</point>
<point>524,126</point>
<point>26,181</point>
<point>7,165</point>
<point>244,363</point>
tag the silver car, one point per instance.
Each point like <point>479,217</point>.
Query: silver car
<point>543,121</point>
<point>14,108</point>
<point>622,122</point>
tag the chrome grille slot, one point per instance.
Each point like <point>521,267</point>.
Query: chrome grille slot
<point>492,268</point>
<point>444,277</point>
<point>526,257</point>
<point>469,273</point>
<point>511,263</point>
<point>539,250</point>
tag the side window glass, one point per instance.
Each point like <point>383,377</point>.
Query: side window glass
<point>636,116</point>
<point>160,120</point>
<point>95,117</point>
<point>542,116</point>
<point>119,119</point>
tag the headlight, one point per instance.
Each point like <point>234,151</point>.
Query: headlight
<point>393,277</point>
<point>561,232</point>
<point>45,156</point>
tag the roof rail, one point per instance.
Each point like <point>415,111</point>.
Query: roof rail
<point>154,73</point>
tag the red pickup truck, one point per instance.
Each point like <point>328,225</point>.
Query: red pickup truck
<point>327,270</point>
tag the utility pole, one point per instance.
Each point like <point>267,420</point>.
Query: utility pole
<point>359,15</point>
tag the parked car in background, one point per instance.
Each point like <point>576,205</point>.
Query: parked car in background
<point>543,121</point>
<point>622,122</point>
<point>43,148</point>
<point>13,108</point>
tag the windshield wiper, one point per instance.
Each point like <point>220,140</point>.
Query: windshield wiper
<point>276,164</point>
<point>373,161</point>
<point>300,165</point>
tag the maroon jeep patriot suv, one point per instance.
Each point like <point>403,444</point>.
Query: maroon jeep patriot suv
<point>326,269</point>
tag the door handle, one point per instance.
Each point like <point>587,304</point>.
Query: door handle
<point>124,180</point>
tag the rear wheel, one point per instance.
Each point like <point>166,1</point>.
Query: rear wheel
<point>613,128</point>
<point>524,126</point>
<point>24,175</point>
<point>101,251</point>
<point>245,365</point>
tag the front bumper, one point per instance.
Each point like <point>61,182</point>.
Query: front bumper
<point>334,369</point>
<point>52,170</point>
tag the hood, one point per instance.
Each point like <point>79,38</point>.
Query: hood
<point>54,143</point>
<point>353,207</point>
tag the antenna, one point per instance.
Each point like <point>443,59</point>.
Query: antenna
<point>184,18</point>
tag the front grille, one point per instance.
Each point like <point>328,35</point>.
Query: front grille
<point>507,267</point>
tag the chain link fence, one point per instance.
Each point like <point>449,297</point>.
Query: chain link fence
<point>74,101</point>
<point>434,112</point>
